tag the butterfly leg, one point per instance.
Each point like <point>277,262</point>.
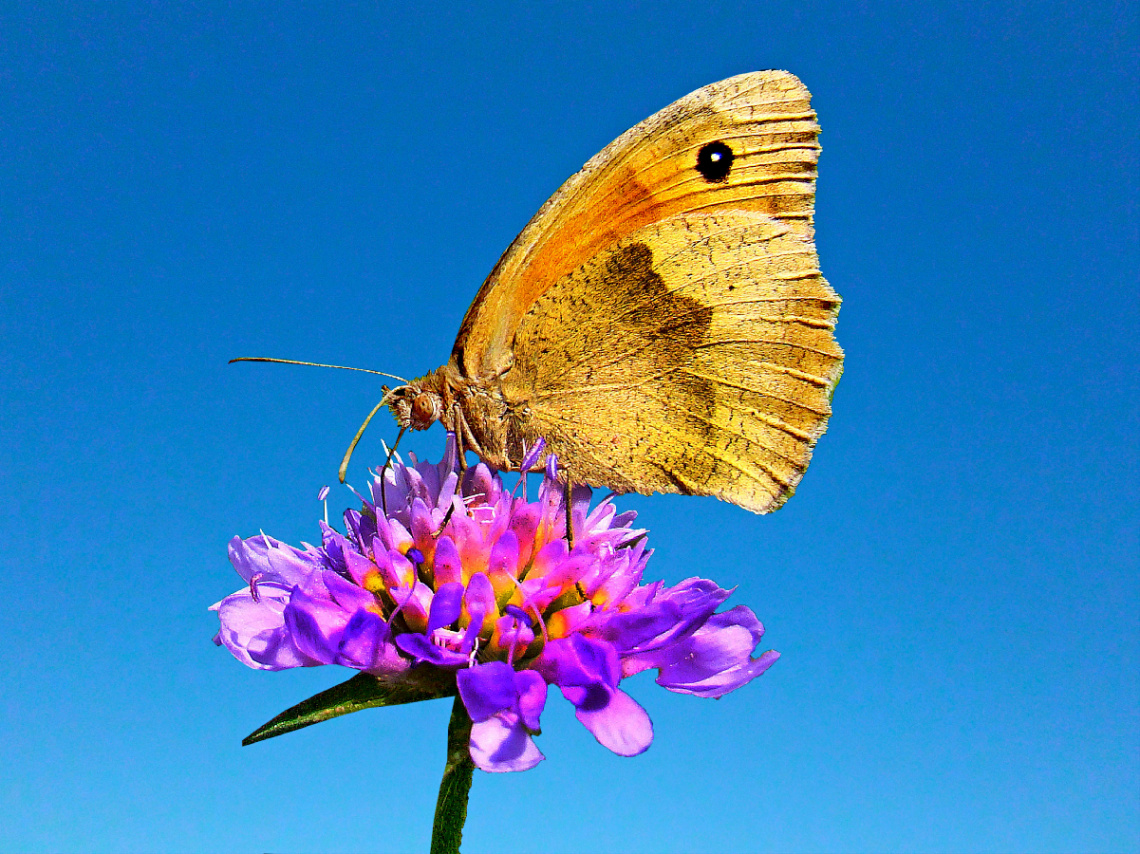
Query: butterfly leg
<point>567,498</point>
<point>446,518</point>
<point>465,439</point>
<point>384,470</point>
<point>567,501</point>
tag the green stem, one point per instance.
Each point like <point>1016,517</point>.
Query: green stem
<point>451,806</point>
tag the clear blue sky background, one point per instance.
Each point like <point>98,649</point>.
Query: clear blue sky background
<point>954,588</point>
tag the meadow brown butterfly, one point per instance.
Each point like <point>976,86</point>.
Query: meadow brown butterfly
<point>662,321</point>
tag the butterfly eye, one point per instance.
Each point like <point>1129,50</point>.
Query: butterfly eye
<point>714,161</point>
<point>424,409</point>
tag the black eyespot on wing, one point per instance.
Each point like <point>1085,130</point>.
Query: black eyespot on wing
<point>714,161</point>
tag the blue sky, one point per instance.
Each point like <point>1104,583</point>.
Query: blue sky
<point>954,588</point>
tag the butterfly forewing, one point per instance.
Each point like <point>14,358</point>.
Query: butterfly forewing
<point>644,176</point>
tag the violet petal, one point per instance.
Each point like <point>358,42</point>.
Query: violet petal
<point>487,689</point>
<point>618,723</point>
<point>501,743</point>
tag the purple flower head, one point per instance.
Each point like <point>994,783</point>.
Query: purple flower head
<point>461,575</point>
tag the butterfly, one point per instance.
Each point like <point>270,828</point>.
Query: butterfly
<point>661,322</point>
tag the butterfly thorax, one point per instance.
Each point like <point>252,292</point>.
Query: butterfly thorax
<point>471,409</point>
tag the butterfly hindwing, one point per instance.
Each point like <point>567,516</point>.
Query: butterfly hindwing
<point>694,356</point>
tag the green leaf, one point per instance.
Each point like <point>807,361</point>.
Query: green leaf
<point>362,691</point>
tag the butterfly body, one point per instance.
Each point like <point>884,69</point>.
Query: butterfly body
<point>661,322</point>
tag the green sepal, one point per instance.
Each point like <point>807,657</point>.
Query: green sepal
<point>362,691</point>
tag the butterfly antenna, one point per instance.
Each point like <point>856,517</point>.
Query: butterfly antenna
<point>352,445</point>
<point>315,365</point>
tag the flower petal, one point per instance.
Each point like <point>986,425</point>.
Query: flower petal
<point>254,630</point>
<point>479,599</point>
<point>717,658</point>
<point>501,743</point>
<point>445,606</point>
<point>615,719</point>
<point>532,697</point>
<point>579,661</point>
<point>487,689</point>
<point>366,644</point>
<point>447,566</point>
<point>288,566</point>
<point>674,613</point>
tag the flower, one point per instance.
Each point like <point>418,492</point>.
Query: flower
<point>448,571</point>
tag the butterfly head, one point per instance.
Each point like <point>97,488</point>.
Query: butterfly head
<point>414,407</point>
<point>420,403</point>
